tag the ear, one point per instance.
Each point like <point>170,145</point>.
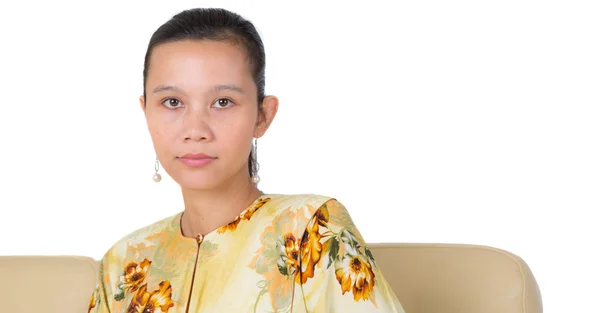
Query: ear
<point>270,105</point>
<point>143,103</point>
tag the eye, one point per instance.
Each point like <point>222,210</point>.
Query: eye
<point>172,103</point>
<point>222,103</point>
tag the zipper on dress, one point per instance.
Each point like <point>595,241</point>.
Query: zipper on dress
<point>199,239</point>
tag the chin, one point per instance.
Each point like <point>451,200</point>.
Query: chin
<point>205,178</point>
<point>197,181</point>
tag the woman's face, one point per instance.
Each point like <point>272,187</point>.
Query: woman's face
<point>202,111</point>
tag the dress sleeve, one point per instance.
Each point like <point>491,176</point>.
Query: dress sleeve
<point>338,272</point>
<point>98,300</point>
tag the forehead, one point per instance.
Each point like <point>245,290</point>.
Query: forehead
<point>198,64</point>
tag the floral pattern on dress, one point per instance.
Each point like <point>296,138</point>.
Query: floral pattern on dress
<point>132,278</point>
<point>312,247</point>
<point>157,301</point>
<point>302,252</point>
<point>132,281</point>
<point>277,261</point>
<point>347,252</point>
<point>355,274</point>
<point>245,215</point>
<point>95,299</point>
<point>324,244</point>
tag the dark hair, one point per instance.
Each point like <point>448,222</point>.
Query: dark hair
<point>219,25</point>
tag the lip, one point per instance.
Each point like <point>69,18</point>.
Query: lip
<point>196,159</point>
<point>196,156</point>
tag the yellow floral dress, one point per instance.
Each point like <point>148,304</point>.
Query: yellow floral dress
<point>284,253</point>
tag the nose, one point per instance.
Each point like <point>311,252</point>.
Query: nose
<point>196,126</point>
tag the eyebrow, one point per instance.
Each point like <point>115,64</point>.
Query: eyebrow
<point>163,88</point>
<point>227,87</point>
<point>231,87</point>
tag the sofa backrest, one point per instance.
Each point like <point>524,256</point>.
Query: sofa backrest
<point>450,278</point>
<point>49,284</point>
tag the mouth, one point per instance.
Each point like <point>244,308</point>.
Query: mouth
<point>196,159</point>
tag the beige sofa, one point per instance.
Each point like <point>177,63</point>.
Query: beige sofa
<point>428,278</point>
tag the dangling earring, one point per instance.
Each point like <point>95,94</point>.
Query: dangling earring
<point>156,177</point>
<point>255,177</point>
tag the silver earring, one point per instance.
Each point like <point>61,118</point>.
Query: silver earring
<point>255,177</point>
<point>156,177</point>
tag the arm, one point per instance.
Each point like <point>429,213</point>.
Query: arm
<point>98,301</point>
<point>338,272</point>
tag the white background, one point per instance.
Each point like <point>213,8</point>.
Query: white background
<point>432,121</point>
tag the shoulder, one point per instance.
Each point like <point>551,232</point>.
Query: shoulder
<point>297,204</point>
<point>141,236</point>
<point>298,210</point>
<point>295,201</point>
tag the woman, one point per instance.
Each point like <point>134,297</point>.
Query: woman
<point>233,248</point>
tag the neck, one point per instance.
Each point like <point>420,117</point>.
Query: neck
<point>207,210</point>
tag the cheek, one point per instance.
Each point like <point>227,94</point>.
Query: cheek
<point>236,137</point>
<point>161,130</point>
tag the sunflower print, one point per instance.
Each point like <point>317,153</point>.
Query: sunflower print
<point>157,301</point>
<point>245,215</point>
<point>289,248</point>
<point>133,282</point>
<point>300,253</point>
<point>311,245</point>
<point>277,260</point>
<point>95,300</point>
<point>355,274</point>
<point>327,244</point>
<point>133,276</point>
<point>323,245</point>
